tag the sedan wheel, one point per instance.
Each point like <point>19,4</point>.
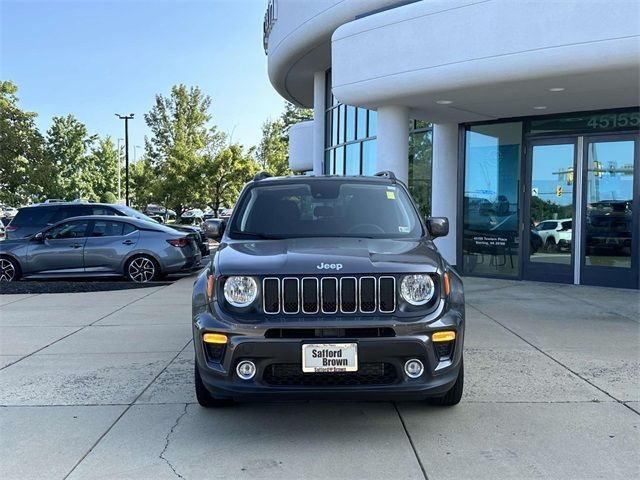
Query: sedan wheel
<point>142,270</point>
<point>8,270</point>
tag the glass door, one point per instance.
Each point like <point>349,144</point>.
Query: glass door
<point>549,211</point>
<point>610,212</point>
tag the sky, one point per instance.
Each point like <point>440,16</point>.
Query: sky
<point>95,58</point>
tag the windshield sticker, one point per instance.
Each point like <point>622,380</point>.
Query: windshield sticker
<point>404,229</point>
<point>391,195</point>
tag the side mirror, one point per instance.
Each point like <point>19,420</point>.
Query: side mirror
<point>438,226</point>
<point>214,228</point>
<point>38,237</point>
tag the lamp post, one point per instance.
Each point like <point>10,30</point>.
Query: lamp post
<point>119,170</point>
<point>126,119</point>
<point>135,151</point>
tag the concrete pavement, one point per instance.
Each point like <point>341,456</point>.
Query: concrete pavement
<point>99,385</point>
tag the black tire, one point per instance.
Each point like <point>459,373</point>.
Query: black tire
<point>142,269</point>
<point>9,269</point>
<point>550,244</point>
<point>204,397</point>
<point>453,396</point>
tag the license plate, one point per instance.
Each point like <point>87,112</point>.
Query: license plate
<point>329,357</point>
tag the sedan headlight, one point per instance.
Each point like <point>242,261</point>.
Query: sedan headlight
<point>240,291</point>
<point>417,289</point>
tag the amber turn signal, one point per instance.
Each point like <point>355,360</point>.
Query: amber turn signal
<point>445,336</point>
<point>218,338</point>
<point>447,287</point>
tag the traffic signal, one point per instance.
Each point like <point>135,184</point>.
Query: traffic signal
<point>559,191</point>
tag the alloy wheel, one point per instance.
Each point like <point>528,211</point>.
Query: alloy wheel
<point>7,270</point>
<point>142,270</point>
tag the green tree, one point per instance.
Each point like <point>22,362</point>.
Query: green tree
<point>105,160</point>
<point>67,145</point>
<point>273,151</point>
<point>181,139</point>
<point>293,114</point>
<point>142,183</point>
<point>224,174</point>
<point>26,174</point>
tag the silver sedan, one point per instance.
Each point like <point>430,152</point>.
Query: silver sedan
<point>92,246</point>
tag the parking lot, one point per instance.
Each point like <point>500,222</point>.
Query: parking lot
<point>100,385</point>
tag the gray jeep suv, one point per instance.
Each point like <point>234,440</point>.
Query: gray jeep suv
<point>328,287</point>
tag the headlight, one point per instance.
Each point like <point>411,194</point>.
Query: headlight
<point>417,289</point>
<point>240,291</point>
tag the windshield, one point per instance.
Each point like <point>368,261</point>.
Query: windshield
<point>131,212</point>
<point>326,208</point>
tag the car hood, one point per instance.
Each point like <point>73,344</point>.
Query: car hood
<point>326,256</point>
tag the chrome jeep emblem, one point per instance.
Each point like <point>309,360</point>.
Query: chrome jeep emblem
<point>329,266</point>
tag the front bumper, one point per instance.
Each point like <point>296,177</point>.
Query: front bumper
<point>381,359</point>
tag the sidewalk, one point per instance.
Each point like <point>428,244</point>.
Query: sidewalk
<point>99,385</point>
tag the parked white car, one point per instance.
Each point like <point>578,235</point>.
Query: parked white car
<point>556,234</point>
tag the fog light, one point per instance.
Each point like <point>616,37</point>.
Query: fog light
<point>246,370</point>
<point>413,368</point>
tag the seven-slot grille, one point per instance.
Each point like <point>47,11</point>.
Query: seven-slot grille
<point>329,295</point>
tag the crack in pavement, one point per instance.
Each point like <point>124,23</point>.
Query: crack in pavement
<point>127,409</point>
<point>167,440</point>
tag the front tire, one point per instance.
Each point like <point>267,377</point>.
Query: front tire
<point>9,270</point>
<point>205,399</point>
<point>142,269</point>
<point>454,395</point>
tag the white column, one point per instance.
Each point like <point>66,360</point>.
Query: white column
<point>319,95</point>
<point>393,140</point>
<point>444,192</point>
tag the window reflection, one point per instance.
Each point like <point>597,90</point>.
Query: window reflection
<point>608,221</point>
<point>492,172</point>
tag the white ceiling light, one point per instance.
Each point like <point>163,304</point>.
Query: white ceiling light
<point>540,107</point>
<point>444,102</point>
<point>557,89</point>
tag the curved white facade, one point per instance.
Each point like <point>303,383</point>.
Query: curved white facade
<point>451,62</point>
<point>491,59</point>
<point>299,43</point>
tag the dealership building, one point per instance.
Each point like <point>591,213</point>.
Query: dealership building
<point>518,120</point>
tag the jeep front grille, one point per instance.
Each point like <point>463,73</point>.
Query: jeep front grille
<point>329,295</point>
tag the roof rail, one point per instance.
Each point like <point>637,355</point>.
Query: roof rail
<point>386,173</point>
<point>261,176</point>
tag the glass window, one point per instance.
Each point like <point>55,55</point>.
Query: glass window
<point>327,208</point>
<point>328,162</point>
<point>609,219</point>
<point>34,216</point>
<point>70,211</point>
<point>353,159</point>
<point>339,161</point>
<point>128,228</point>
<point>492,174</point>
<point>369,153</point>
<point>334,126</point>
<point>106,228</point>
<point>351,123</point>
<point>103,211</point>
<point>362,123</point>
<point>77,229</point>
<point>341,121</point>
<point>373,123</point>
<point>420,153</point>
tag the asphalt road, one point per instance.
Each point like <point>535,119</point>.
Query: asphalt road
<point>99,385</point>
